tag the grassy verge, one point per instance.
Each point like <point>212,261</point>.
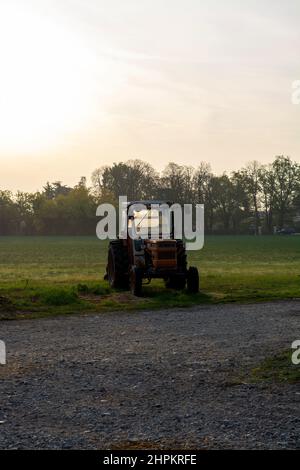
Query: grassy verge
<point>41,301</point>
<point>277,369</point>
<point>42,276</point>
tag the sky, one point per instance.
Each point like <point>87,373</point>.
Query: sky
<point>85,83</point>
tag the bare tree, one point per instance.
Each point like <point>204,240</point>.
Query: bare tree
<point>177,183</point>
<point>250,178</point>
<point>286,176</point>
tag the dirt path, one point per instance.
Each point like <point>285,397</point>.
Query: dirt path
<point>99,381</point>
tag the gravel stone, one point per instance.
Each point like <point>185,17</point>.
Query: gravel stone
<point>162,379</point>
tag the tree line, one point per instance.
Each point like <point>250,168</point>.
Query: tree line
<point>252,200</point>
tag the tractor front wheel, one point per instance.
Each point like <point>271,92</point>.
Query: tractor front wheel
<point>193,280</point>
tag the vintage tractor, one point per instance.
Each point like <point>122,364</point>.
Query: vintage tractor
<point>130,261</point>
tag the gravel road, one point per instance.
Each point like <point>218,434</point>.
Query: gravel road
<point>162,379</point>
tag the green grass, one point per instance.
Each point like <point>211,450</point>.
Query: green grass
<point>59,296</point>
<point>277,369</point>
<point>53,275</point>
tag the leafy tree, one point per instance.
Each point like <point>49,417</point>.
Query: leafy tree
<point>8,214</point>
<point>286,178</point>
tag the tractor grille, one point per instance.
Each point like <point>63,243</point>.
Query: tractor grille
<point>163,254</point>
<point>166,255</point>
<point>166,245</point>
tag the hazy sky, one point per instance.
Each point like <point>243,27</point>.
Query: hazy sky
<point>85,83</point>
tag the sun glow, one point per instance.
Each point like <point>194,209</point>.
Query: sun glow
<point>49,80</point>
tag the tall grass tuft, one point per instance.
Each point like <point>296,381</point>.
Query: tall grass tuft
<point>59,296</point>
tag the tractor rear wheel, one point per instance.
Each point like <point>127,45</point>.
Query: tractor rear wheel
<point>135,281</point>
<point>117,265</point>
<point>193,280</point>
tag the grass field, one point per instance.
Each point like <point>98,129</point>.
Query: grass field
<point>52,275</point>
